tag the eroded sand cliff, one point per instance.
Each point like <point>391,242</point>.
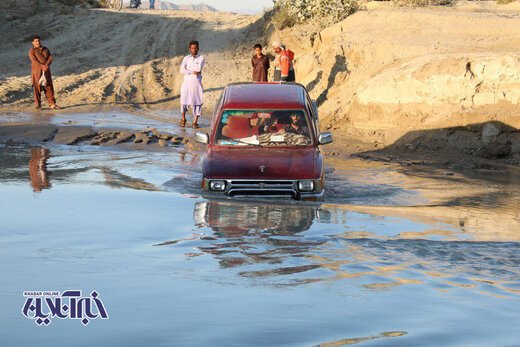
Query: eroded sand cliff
<point>384,72</point>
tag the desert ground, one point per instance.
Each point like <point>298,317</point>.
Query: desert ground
<point>127,57</point>
<point>389,79</point>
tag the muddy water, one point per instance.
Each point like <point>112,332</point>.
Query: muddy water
<point>391,256</point>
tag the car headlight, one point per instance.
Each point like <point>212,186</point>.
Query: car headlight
<point>217,185</point>
<point>306,186</point>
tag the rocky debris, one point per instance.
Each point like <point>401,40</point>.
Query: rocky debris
<point>102,137</point>
<point>490,131</point>
<point>141,138</point>
<point>176,140</point>
<point>147,137</point>
<point>116,138</point>
<point>186,141</point>
<point>122,137</point>
<point>494,150</point>
<point>78,135</point>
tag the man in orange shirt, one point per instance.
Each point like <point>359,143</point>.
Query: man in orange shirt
<point>284,70</point>
<point>41,59</point>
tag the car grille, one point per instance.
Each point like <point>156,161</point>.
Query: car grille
<point>261,187</point>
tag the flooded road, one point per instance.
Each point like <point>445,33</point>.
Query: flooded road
<point>391,255</point>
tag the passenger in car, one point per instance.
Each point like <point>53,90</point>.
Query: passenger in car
<point>296,126</point>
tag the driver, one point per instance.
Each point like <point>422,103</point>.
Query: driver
<point>296,126</point>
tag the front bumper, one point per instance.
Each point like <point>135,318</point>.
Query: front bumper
<point>267,188</point>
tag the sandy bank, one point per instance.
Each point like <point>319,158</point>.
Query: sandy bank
<point>399,79</point>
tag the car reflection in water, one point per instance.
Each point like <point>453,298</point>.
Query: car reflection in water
<point>230,219</point>
<point>247,233</point>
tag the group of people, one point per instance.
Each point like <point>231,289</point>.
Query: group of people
<point>191,67</point>
<point>283,71</point>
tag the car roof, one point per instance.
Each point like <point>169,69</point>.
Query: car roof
<point>264,96</point>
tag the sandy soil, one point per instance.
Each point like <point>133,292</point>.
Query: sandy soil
<point>387,80</point>
<point>127,57</point>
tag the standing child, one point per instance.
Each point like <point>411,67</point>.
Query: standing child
<point>260,64</point>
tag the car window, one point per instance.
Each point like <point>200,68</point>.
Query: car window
<point>263,128</point>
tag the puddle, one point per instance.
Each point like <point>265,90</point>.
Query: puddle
<point>390,256</point>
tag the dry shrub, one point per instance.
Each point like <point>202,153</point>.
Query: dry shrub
<point>505,2</point>
<point>99,3</point>
<point>323,13</point>
<point>283,18</point>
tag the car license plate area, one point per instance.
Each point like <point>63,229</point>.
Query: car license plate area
<point>262,187</point>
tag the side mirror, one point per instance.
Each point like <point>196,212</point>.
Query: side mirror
<point>325,138</point>
<point>203,138</point>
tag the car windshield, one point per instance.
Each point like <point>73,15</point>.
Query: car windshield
<point>263,128</point>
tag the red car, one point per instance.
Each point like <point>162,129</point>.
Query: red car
<point>264,141</point>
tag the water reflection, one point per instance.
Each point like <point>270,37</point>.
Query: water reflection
<point>116,180</point>
<point>38,169</point>
<point>356,340</point>
<point>252,233</point>
<point>279,244</point>
<point>68,167</point>
<point>238,219</point>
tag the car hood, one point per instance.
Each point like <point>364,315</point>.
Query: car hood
<point>262,163</point>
